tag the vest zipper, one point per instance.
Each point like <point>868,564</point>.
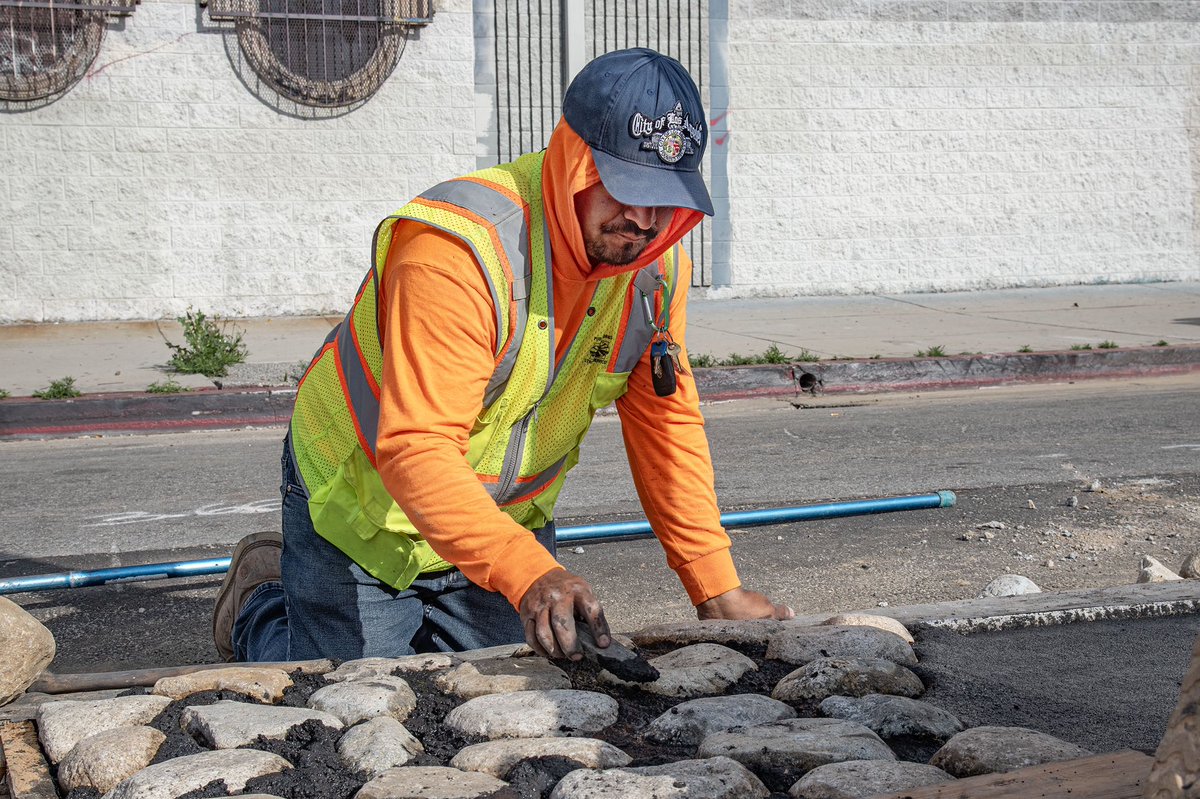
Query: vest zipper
<point>514,455</point>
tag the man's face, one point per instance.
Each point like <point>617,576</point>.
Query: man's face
<point>615,233</point>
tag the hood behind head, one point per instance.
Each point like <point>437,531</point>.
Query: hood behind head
<point>569,169</point>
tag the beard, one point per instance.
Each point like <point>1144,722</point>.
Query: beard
<point>618,252</point>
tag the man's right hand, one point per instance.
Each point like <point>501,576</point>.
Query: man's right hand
<point>549,611</point>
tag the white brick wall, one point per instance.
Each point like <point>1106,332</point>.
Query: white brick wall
<point>876,145</point>
<point>894,145</point>
<point>160,181</point>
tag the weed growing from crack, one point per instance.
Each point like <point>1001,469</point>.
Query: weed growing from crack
<point>168,386</point>
<point>936,351</point>
<point>1078,347</point>
<point>4,393</point>
<point>62,388</point>
<point>1025,348</point>
<point>209,351</point>
<point>1162,342</point>
<point>1107,345</point>
<point>772,355</point>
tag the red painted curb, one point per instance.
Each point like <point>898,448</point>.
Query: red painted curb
<point>214,409</point>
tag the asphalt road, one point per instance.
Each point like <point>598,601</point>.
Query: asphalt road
<point>1016,457</point>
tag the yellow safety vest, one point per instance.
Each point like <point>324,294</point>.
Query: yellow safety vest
<point>535,415</point>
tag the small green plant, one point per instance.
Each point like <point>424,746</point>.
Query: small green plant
<point>209,351</point>
<point>1107,345</point>
<point>701,360</point>
<point>1162,342</point>
<point>1081,346</point>
<point>876,357</point>
<point>168,386</point>
<point>1025,348</point>
<point>936,351</point>
<point>736,359</point>
<point>775,355</point>
<point>4,393</point>
<point>62,388</point>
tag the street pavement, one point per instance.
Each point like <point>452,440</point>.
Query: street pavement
<point>863,343</point>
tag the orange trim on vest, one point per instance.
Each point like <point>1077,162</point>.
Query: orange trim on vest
<point>500,254</point>
<point>513,197</point>
<point>530,495</point>
<point>313,362</point>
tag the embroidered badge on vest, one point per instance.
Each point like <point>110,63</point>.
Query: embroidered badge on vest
<point>672,135</point>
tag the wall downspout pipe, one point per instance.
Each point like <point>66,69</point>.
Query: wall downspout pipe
<point>566,535</point>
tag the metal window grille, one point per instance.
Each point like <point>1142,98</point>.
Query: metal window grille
<point>46,46</point>
<point>528,74</point>
<point>323,53</point>
<point>528,69</point>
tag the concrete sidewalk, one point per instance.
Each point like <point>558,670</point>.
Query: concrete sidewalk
<point>880,335</point>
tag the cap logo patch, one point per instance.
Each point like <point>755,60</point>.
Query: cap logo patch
<point>672,135</point>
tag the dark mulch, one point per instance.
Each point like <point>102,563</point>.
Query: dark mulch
<point>318,773</point>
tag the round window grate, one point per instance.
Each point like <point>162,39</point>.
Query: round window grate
<point>325,53</point>
<point>45,49</point>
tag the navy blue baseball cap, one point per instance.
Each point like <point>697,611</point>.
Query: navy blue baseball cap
<point>639,111</point>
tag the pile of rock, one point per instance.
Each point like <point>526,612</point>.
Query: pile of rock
<point>832,726</point>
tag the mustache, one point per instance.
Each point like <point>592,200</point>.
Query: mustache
<point>630,229</point>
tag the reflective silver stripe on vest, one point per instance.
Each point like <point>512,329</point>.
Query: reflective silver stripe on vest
<point>639,330</point>
<point>364,405</point>
<point>513,234</point>
<point>518,492</point>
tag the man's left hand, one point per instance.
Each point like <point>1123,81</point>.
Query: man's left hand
<point>742,604</point>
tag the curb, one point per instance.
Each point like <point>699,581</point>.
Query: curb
<point>214,409</point>
<point>957,371</point>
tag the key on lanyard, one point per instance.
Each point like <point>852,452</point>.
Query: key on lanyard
<point>663,368</point>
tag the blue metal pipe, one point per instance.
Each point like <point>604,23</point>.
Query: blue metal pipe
<point>565,535</point>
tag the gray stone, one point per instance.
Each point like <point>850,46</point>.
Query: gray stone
<point>262,684</point>
<point>1010,585</point>
<point>984,750</point>
<point>870,620</point>
<point>228,725</point>
<point>357,700</point>
<point>378,745</point>
<point>688,723</point>
<point>370,668</point>
<point>502,675</point>
<point>827,677</point>
<point>498,757</point>
<point>104,760</point>
<point>708,631</point>
<point>858,779</point>
<point>1153,571</point>
<point>711,778</point>
<point>534,714</point>
<point>690,671</point>
<point>1190,567</point>
<point>63,724</point>
<point>26,649</point>
<point>180,775</point>
<point>894,716</point>
<point>805,644</point>
<point>783,751</point>
<point>430,782</point>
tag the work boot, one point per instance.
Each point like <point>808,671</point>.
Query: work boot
<point>255,561</point>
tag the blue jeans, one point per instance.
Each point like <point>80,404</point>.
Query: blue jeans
<point>327,607</point>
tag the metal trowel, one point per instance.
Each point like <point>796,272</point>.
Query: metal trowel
<point>616,658</point>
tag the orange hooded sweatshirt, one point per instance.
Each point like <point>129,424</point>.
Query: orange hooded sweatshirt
<point>437,362</point>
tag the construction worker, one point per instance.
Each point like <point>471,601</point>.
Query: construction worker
<point>433,430</point>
